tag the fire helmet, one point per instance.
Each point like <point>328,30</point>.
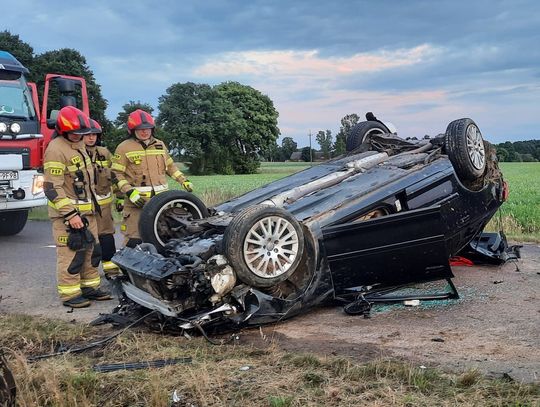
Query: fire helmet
<point>72,120</point>
<point>95,127</point>
<point>139,119</point>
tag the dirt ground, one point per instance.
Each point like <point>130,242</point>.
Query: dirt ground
<point>494,327</point>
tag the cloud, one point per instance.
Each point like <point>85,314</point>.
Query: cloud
<point>290,63</point>
<point>418,66</point>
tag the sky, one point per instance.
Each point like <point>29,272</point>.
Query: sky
<point>418,64</point>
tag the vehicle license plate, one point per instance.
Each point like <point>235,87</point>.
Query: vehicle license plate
<point>8,175</point>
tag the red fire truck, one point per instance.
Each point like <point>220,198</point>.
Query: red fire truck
<point>25,131</point>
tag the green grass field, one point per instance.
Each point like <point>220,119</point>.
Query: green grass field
<point>519,217</point>
<point>521,213</point>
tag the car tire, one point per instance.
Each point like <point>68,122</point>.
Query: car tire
<point>12,222</point>
<point>465,148</point>
<point>155,225</point>
<point>360,131</point>
<point>264,244</point>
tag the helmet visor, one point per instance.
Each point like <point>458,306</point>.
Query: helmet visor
<point>82,131</point>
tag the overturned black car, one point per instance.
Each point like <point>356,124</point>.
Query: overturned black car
<point>389,213</point>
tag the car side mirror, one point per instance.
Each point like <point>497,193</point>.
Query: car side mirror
<point>51,124</point>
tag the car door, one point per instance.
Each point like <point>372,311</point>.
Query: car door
<point>397,249</point>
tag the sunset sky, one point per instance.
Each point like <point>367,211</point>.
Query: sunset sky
<point>418,64</point>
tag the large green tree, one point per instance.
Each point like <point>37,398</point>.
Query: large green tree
<point>252,125</point>
<point>196,117</point>
<point>18,48</point>
<point>68,61</point>
<point>324,138</point>
<point>288,146</point>
<point>347,123</point>
<point>222,129</point>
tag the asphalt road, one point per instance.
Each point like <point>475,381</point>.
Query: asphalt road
<point>28,276</point>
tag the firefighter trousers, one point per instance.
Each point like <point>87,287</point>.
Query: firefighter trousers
<point>75,269</point>
<point>130,224</point>
<point>105,223</point>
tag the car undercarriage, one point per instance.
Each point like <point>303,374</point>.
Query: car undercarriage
<point>389,213</point>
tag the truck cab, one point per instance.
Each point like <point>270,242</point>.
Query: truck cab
<point>25,133</point>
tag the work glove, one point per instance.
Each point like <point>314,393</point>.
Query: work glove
<point>75,240</point>
<point>136,198</point>
<point>119,204</point>
<point>80,238</point>
<point>188,186</point>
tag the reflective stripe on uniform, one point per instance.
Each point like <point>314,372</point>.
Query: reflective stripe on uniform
<point>65,290</point>
<point>91,282</point>
<point>54,164</point>
<point>137,154</point>
<point>60,203</point>
<point>160,188</point>
<point>148,191</point>
<point>155,152</point>
<point>109,265</point>
<point>81,206</point>
<point>103,164</point>
<point>169,161</point>
<point>121,183</point>
<point>104,199</point>
<point>177,174</point>
<point>119,167</point>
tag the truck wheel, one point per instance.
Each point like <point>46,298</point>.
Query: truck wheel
<point>12,222</point>
<point>161,218</point>
<point>360,131</point>
<point>264,244</point>
<point>465,148</point>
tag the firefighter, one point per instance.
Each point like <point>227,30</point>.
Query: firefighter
<point>69,188</point>
<point>101,161</point>
<point>141,164</point>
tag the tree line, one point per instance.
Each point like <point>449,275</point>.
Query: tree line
<point>519,151</point>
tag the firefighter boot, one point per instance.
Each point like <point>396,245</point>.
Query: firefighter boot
<point>111,270</point>
<point>77,302</point>
<point>95,294</point>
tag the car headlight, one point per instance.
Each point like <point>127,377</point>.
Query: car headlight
<point>3,127</point>
<point>37,184</point>
<point>15,128</point>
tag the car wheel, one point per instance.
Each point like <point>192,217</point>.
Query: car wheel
<point>465,148</point>
<point>264,244</point>
<point>360,131</point>
<point>12,222</point>
<point>162,216</point>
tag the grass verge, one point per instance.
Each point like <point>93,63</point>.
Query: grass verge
<point>228,375</point>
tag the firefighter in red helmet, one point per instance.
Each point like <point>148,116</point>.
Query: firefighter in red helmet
<point>69,188</point>
<point>105,183</point>
<point>141,164</point>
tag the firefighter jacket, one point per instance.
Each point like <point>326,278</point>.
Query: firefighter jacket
<point>105,181</point>
<point>143,167</point>
<point>69,179</point>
